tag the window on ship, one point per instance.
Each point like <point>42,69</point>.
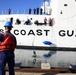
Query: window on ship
<point>65,5</point>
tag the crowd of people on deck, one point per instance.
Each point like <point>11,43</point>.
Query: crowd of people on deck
<point>30,22</point>
<point>35,11</point>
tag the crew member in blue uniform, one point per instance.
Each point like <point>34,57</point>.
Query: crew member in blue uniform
<point>30,10</point>
<point>41,10</point>
<point>34,10</point>
<point>37,10</point>
<point>7,47</point>
<point>9,11</point>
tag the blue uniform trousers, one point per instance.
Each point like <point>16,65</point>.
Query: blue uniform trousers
<point>7,57</point>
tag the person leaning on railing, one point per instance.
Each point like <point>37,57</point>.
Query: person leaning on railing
<point>50,22</point>
<point>45,21</point>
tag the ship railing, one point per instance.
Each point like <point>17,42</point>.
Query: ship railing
<point>25,22</point>
<point>22,12</point>
<point>14,12</point>
<point>22,22</point>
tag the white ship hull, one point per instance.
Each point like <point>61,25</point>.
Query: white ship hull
<point>27,58</point>
<point>61,34</point>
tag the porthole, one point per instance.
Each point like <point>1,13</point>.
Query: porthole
<point>65,5</point>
